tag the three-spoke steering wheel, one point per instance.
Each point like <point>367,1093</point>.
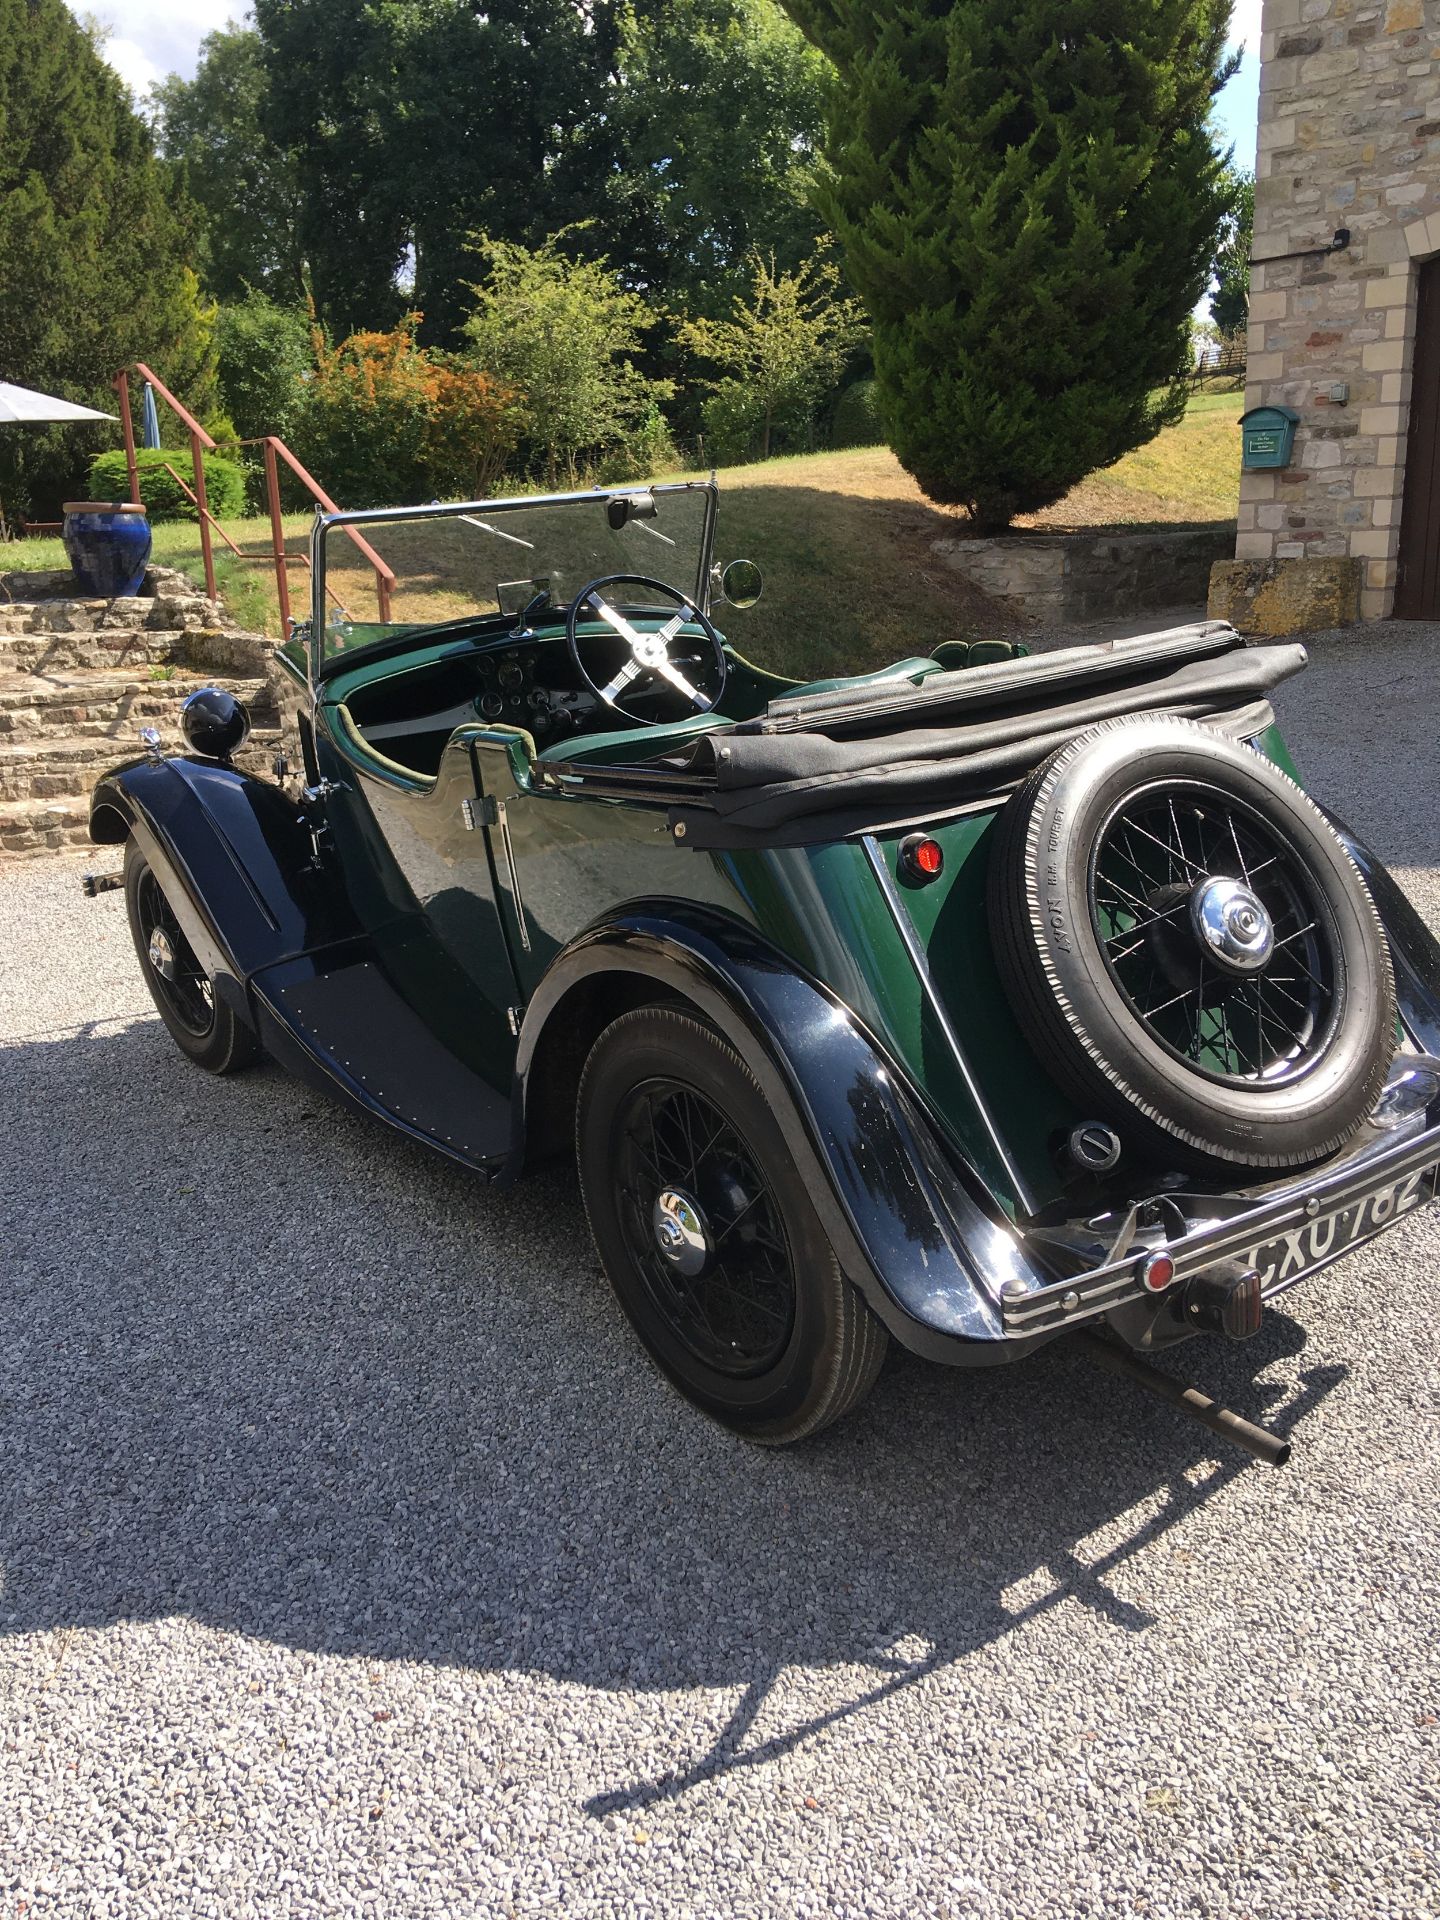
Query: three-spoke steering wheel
<point>648,659</point>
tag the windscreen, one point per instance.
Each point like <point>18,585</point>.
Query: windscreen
<point>501,558</point>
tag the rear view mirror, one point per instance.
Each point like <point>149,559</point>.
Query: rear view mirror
<point>741,583</point>
<point>622,508</point>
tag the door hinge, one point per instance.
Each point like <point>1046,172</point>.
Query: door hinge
<point>513,1017</point>
<point>481,812</point>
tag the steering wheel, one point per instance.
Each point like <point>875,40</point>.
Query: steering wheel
<point>648,653</point>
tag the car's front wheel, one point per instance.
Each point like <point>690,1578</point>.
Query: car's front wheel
<point>200,1023</point>
<point>707,1235</point>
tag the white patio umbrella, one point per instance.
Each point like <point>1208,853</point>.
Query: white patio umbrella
<point>23,406</point>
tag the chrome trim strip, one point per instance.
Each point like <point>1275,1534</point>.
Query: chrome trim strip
<point>905,927</point>
<point>502,820</point>
<point>1118,1282</point>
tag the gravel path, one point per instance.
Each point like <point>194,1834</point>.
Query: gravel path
<point>353,1561</point>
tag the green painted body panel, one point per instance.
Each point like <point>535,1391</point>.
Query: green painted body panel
<point>497,916</point>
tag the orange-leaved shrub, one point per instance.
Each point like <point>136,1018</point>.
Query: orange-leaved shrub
<point>384,422</point>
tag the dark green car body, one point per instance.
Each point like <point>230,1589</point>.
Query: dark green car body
<point>441,924</point>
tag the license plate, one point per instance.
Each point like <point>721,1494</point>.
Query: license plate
<point>1302,1250</point>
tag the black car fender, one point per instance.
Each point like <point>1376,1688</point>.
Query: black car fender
<point>1414,951</point>
<point>905,1217</point>
<point>213,834</point>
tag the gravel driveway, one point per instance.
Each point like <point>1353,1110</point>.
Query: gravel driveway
<point>353,1561</point>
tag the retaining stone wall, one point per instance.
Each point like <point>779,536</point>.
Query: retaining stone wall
<point>1059,578</point>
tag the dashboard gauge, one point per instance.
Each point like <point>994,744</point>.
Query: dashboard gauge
<point>512,674</point>
<point>491,705</point>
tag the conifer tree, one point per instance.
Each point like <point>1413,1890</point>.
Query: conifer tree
<point>93,247</point>
<point>1029,196</point>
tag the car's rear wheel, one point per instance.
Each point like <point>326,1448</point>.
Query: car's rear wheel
<point>1188,944</point>
<point>199,1021</point>
<point>708,1238</point>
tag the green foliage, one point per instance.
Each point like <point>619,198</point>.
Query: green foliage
<point>857,421</point>
<point>565,334</point>
<point>93,244</point>
<point>384,422</point>
<point>212,130</point>
<point>1230,301</point>
<point>647,450</point>
<point>782,348</point>
<point>1028,194</point>
<point>412,123</point>
<point>715,118</point>
<point>163,496</point>
<point>263,358</point>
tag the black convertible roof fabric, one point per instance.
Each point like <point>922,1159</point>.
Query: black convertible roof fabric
<point>826,765</point>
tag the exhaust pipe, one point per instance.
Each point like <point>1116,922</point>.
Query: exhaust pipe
<point>1268,1447</point>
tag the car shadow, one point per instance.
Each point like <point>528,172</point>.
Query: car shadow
<point>268,1368</point>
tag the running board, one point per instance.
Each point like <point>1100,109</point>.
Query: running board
<point>347,1029</point>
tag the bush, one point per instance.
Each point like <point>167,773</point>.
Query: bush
<point>646,450</point>
<point>856,421</point>
<point>163,497</point>
<point>385,423</point>
<point>565,333</point>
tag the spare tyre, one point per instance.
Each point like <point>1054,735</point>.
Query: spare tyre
<point>1190,949</point>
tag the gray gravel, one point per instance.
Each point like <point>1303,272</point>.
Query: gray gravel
<point>353,1561</point>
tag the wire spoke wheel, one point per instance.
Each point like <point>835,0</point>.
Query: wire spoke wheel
<point>703,1227</point>
<point>1216,933</point>
<point>1190,949</point>
<point>176,975</point>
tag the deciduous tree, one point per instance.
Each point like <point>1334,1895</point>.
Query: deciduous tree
<point>782,347</point>
<point>213,130</point>
<point>567,335</point>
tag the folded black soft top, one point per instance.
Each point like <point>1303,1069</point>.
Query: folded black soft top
<point>1033,679</point>
<point>833,764</point>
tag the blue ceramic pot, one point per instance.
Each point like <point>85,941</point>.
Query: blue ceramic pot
<point>108,542</point>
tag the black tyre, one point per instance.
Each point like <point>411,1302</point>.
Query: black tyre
<point>199,1021</point>
<point>709,1241</point>
<point>1190,949</point>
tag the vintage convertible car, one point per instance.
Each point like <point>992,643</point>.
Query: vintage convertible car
<point>977,1002</point>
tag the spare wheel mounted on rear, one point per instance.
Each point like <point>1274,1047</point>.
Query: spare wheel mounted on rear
<point>1190,948</point>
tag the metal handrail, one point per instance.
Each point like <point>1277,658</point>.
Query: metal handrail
<point>275,449</point>
<point>273,445</point>
<point>199,439</point>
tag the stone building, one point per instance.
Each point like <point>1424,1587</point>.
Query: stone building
<point>1347,331</point>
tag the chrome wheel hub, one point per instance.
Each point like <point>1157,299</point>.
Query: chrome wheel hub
<point>681,1235</point>
<point>162,953</point>
<point>1232,925</point>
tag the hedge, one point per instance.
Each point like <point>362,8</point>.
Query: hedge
<point>162,495</point>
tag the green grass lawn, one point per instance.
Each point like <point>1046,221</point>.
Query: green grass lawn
<point>844,539</point>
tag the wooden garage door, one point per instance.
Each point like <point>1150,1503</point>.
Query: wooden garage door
<point>1417,594</point>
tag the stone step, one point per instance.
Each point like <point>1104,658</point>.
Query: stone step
<point>71,652</point>
<point>52,766</point>
<point>104,616</point>
<point>44,826</point>
<point>111,704</point>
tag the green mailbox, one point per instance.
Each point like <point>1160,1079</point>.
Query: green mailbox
<point>1267,435</point>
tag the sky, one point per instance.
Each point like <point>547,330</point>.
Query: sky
<point>150,38</point>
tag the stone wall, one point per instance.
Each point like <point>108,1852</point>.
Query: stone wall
<point>1062,577</point>
<point>1349,137</point>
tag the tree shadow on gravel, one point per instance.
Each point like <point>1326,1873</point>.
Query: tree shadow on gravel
<point>268,1367</point>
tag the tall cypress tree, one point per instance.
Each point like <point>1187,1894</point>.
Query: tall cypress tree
<point>93,247</point>
<point>1029,195</point>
